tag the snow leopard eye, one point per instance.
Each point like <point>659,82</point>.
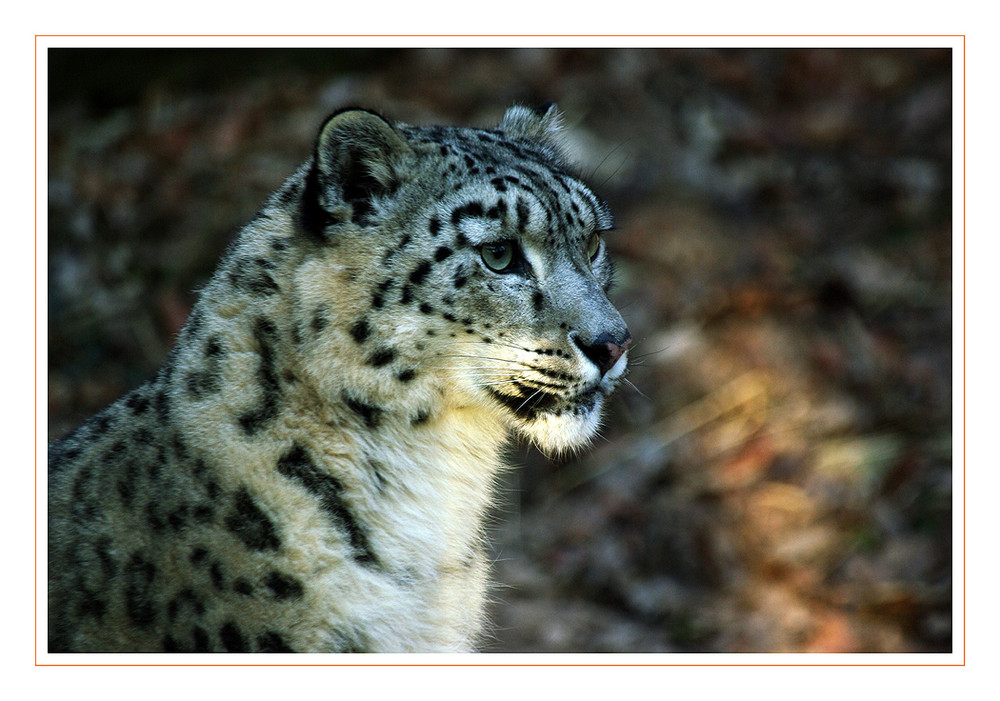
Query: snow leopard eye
<point>500,257</point>
<point>593,245</point>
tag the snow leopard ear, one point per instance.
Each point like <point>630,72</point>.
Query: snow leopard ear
<point>542,124</point>
<point>359,156</point>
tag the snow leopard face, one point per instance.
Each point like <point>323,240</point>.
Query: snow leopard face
<point>495,288</point>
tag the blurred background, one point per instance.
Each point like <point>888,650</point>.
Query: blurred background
<point>779,476</point>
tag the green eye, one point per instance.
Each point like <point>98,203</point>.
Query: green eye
<point>498,256</point>
<point>593,245</point>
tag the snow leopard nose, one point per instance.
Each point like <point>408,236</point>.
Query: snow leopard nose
<point>605,350</point>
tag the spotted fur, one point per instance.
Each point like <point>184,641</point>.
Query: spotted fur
<point>310,468</point>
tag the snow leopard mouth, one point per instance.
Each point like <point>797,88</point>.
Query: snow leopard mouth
<point>526,405</point>
<point>531,404</point>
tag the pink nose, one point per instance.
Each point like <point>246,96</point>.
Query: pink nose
<point>605,351</point>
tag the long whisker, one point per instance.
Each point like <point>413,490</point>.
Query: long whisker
<point>615,171</point>
<point>480,357</point>
<point>641,356</point>
<point>518,365</point>
<point>496,343</point>
<point>630,384</point>
<point>498,382</point>
<point>531,396</point>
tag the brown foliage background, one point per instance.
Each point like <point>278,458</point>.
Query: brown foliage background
<point>779,477</point>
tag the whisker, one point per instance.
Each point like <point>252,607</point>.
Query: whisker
<point>531,396</point>
<point>481,357</point>
<point>519,366</point>
<point>498,343</point>
<point>498,382</point>
<point>606,157</point>
<point>621,165</point>
<point>604,160</point>
<point>475,370</point>
<point>646,355</point>
<point>632,385</point>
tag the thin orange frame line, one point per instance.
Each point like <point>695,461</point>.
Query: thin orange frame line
<point>964,460</point>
